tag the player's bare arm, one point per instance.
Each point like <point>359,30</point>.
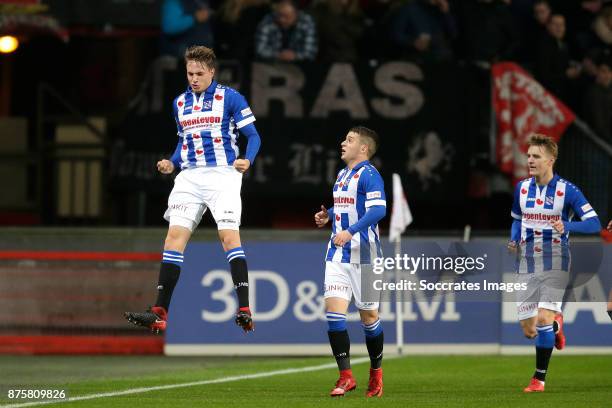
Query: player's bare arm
<point>322,217</point>
<point>165,166</point>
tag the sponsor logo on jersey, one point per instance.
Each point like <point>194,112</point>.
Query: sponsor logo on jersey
<point>344,200</point>
<point>586,208</point>
<point>373,194</point>
<point>541,217</point>
<point>200,120</point>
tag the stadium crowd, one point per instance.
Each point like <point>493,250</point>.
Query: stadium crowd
<point>565,44</point>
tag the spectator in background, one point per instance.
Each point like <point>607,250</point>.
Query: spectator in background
<point>535,29</point>
<point>489,30</point>
<point>598,102</point>
<point>340,25</point>
<point>552,67</point>
<point>184,23</point>
<point>602,26</point>
<point>376,41</point>
<point>596,43</point>
<point>424,29</point>
<point>580,18</point>
<point>541,15</point>
<point>286,34</point>
<point>236,25</point>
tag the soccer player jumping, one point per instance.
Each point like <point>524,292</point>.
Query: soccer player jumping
<point>207,116</point>
<point>543,211</point>
<point>359,203</point>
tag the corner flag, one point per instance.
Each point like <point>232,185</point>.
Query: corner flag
<point>401,216</point>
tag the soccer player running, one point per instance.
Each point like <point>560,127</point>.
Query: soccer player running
<point>207,116</point>
<point>543,211</point>
<point>359,203</point>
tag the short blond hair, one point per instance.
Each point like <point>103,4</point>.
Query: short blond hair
<point>538,139</point>
<point>204,55</point>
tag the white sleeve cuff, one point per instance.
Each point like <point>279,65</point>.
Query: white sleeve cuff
<point>245,122</point>
<point>516,216</point>
<point>370,203</point>
<point>590,214</point>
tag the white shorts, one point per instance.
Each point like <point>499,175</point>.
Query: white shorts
<point>197,189</point>
<point>343,280</point>
<point>545,290</point>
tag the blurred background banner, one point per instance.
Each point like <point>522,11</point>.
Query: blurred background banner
<point>286,285</point>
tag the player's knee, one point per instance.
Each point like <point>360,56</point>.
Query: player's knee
<point>229,241</point>
<point>175,240</point>
<point>368,316</point>
<point>545,318</point>
<point>530,332</point>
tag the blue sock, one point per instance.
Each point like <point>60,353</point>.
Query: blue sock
<point>339,339</point>
<point>240,275</point>
<point>169,272</point>
<point>544,347</point>
<point>375,340</point>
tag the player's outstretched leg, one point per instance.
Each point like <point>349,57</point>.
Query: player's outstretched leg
<point>155,318</point>
<point>169,271</point>
<point>340,345</point>
<point>240,276</point>
<point>375,339</point>
<point>559,335</point>
<point>544,348</point>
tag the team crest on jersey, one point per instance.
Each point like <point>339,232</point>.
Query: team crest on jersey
<point>207,105</point>
<point>550,200</point>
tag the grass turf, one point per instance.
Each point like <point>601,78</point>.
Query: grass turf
<point>415,381</point>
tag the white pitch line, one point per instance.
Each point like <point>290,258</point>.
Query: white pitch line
<point>189,384</point>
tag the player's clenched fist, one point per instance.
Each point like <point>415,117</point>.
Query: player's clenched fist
<point>165,166</point>
<point>512,246</point>
<point>558,226</point>
<point>342,238</point>
<point>322,217</point>
<point>242,165</point>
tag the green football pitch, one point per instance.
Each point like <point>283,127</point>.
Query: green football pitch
<point>411,381</point>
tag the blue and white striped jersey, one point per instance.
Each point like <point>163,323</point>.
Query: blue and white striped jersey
<point>542,247</point>
<point>207,124</point>
<point>355,191</point>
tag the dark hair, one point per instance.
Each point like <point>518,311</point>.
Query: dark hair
<point>369,137</point>
<point>204,55</point>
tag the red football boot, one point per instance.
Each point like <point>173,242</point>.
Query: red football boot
<point>535,385</point>
<point>375,385</point>
<point>244,319</point>
<point>345,383</point>
<point>155,318</point>
<point>559,336</point>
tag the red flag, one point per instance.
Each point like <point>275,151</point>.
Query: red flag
<point>522,107</point>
